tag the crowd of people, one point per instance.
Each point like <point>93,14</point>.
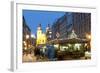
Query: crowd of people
<point>49,53</point>
<point>40,54</point>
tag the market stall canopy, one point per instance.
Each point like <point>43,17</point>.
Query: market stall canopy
<point>72,38</point>
<point>68,40</point>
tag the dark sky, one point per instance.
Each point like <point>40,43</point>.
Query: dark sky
<point>33,18</point>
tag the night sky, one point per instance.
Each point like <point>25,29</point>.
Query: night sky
<point>33,18</point>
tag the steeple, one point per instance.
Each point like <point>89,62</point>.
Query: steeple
<point>39,27</point>
<point>48,27</point>
<point>41,37</point>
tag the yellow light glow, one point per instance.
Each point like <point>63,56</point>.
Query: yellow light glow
<point>27,36</point>
<point>56,45</point>
<point>77,46</point>
<point>50,32</point>
<point>24,42</point>
<point>41,37</point>
<point>25,48</point>
<point>85,44</point>
<point>69,45</point>
<point>88,36</point>
<point>29,45</point>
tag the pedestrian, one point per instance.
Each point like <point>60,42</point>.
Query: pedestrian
<point>51,52</point>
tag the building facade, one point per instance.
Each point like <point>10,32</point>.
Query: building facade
<point>82,24</point>
<point>79,22</point>
<point>48,32</point>
<point>26,35</point>
<point>63,26</point>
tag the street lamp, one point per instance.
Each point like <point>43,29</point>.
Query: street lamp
<point>27,36</point>
<point>50,32</point>
<point>24,43</point>
<point>88,36</point>
<point>25,48</point>
<point>32,36</point>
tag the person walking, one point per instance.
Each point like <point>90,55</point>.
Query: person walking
<point>51,52</point>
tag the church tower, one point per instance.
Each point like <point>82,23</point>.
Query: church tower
<point>41,37</point>
<point>39,31</point>
<point>48,28</point>
<point>48,32</point>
